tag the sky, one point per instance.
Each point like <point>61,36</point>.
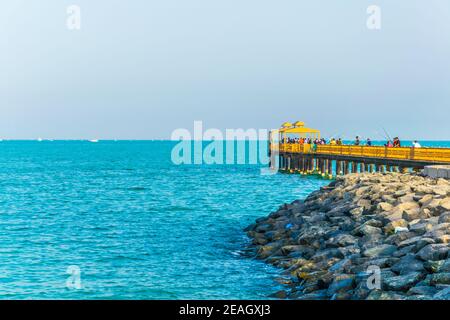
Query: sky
<point>139,69</point>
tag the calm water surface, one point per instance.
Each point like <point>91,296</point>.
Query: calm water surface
<point>137,226</point>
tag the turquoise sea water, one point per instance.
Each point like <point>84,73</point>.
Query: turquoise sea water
<point>137,226</point>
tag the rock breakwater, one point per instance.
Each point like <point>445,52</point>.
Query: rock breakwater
<point>365,236</point>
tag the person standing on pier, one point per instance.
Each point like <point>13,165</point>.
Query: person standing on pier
<point>357,141</point>
<point>416,144</point>
<point>368,142</point>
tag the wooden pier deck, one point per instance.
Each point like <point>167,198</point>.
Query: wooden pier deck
<point>331,160</point>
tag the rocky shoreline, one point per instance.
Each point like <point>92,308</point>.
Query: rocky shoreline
<point>365,236</point>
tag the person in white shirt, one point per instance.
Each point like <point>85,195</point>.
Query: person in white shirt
<point>416,144</point>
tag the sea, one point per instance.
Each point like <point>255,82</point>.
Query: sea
<point>121,220</point>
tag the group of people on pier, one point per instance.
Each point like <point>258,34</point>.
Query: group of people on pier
<point>395,143</point>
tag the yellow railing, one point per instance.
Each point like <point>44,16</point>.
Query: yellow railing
<point>295,148</point>
<point>417,154</point>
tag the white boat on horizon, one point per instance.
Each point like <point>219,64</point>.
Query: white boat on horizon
<point>94,140</point>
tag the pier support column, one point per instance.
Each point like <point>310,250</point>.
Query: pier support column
<point>330,167</point>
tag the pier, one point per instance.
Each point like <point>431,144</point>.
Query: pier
<point>331,160</point>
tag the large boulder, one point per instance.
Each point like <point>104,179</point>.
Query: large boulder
<point>443,294</point>
<point>403,282</point>
<point>408,264</point>
<point>441,278</point>
<point>380,250</point>
<point>444,217</point>
<point>433,252</point>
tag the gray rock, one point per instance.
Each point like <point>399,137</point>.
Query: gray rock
<point>341,240</point>
<point>423,243</point>
<point>361,291</point>
<point>433,252</point>
<point>385,295</point>
<point>421,228</point>
<point>434,266</point>
<point>445,266</point>
<point>379,251</point>
<point>441,278</point>
<point>404,251</point>
<point>409,242</point>
<point>402,283</point>
<point>317,295</point>
<point>444,217</point>
<point>327,254</point>
<point>340,284</point>
<point>408,264</point>
<point>339,266</point>
<point>279,295</point>
<point>367,230</point>
<point>422,291</point>
<point>443,294</point>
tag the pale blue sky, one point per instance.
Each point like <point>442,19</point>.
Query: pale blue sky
<point>139,69</point>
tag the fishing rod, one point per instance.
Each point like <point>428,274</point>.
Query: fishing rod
<point>387,134</point>
<point>335,136</point>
